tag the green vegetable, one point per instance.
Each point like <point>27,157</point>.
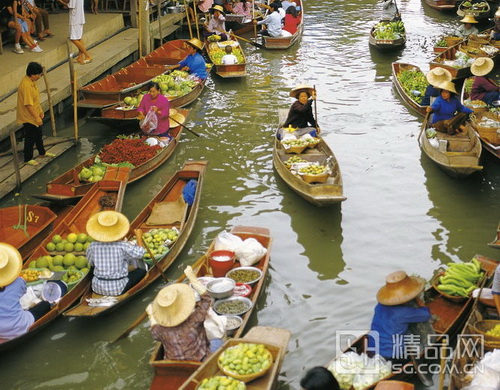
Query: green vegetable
<point>413,80</point>
<point>389,30</point>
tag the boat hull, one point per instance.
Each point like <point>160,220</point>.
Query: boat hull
<point>398,67</point>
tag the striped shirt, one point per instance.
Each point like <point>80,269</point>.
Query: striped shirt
<point>111,261</point>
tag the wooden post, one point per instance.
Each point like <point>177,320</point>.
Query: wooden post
<point>70,62</point>
<point>134,20</point>
<point>51,108</point>
<point>75,105</point>
<point>139,21</point>
<point>159,22</point>
<point>144,28</point>
<point>17,169</point>
<point>196,21</point>
<point>188,21</point>
<point>253,18</point>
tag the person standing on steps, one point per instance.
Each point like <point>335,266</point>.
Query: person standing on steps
<point>76,22</point>
<point>30,113</point>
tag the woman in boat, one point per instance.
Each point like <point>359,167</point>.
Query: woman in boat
<point>398,306</point>
<point>390,10</point>
<point>435,77</point>
<point>194,63</point>
<point>177,320</point>
<point>319,378</point>
<point>300,115</point>
<point>111,256</point>
<point>243,7</point>
<point>291,21</point>
<point>484,88</point>
<point>14,321</point>
<point>217,23</point>
<point>272,23</point>
<point>444,108</point>
<point>467,28</point>
<point>159,104</point>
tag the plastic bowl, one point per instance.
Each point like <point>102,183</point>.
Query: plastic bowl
<point>231,329</point>
<point>250,281</point>
<point>218,306</point>
<point>221,288</point>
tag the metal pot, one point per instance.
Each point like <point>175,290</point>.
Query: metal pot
<point>175,9</point>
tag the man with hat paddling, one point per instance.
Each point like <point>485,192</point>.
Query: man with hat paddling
<point>14,321</point>
<point>467,28</point>
<point>300,115</point>
<point>484,88</point>
<point>394,313</point>
<point>194,63</point>
<point>217,23</point>
<point>110,256</point>
<point>177,320</point>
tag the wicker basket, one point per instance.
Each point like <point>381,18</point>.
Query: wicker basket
<point>295,149</point>
<point>483,326</point>
<point>321,178</point>
<point>490,134</point>
<point>249,377</point>
<point>435,283</point>
<point>451,41</point>
<point>312,145</point>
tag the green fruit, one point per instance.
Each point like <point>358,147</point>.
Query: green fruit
<point>81,262</point>
<point>42,262</point>
<point>127,100</point>
<point>72,237</point>
<point>85,173</point>
<point>86,245</point>
<point>57,268</point>
<point>51,247</point>
<point>82,238</point>
<point>56,239</point>
<point>32,264</point>
<point>72,268</point>
<point>69,247</point>
<point>78,247</point>
<point>58,260</point>
<point>60,247</point>
<point>69,259</point>
<point>85,270</point>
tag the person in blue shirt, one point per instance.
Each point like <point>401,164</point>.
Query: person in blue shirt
<point>194,63</point>
<point>449,114</point>
<point>398,306</point>
<point>435,77</point>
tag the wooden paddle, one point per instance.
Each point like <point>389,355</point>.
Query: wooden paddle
<point>316,108</point>
<point>138,234</point>
<point>249,41</point>
<point>182,125</point>
<point>423,125</point>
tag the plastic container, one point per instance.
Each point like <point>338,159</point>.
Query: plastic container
<point>215,288</point>
<point>221,262</point>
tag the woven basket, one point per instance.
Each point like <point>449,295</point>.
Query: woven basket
<point>249,377</point>
<point>451,41</point>
<point>295,149</point>
<point>321,178</point>
<point>435,283</point>
<point>314,144</point>
<point>490,134</point>
<point>485,325</point>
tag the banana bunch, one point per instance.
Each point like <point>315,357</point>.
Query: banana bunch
<point>461,278</point>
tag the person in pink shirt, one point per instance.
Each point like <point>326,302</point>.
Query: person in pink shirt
<point>155,101</point>
<point>203,7</point>
<point>243,7</point>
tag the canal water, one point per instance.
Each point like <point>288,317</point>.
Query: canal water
<point>327,264</point>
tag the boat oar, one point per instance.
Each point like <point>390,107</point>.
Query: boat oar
<point>316,108</point>
<point>424,124</point>
<point>182,125</point>
<point>138,234</point>
<point>250,42</point>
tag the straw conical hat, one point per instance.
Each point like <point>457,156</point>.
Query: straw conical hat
<point>108,226</point>
<point>448,86</point>
<point>438,75</point>
<point>173,305</point>
<point>469,19</point>
<point>196,43</point>
<point>482,66</point>
<point>300,88</point>
<point>218,8</point>
<point>11,263</point>
<point>176,119</point>
<point>399,288</point>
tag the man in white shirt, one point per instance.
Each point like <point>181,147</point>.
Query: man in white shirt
<point>272,22</point>
<point>229,58</point>
<point>76,22</point>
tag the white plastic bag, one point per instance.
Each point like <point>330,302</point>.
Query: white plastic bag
<point>227,241</point>
<point>149,123</point>
<point>215,325</point>
<point>250,252</point>
<point>29,299</point>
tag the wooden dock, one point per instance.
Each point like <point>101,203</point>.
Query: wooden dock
<point>56,145</point>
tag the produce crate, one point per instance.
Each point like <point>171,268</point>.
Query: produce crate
<point>490,134</point>
<point>321,178</point>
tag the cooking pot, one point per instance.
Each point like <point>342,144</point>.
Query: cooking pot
<point>175,9</point>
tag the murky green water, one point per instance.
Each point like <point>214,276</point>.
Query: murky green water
<point>327,264</point>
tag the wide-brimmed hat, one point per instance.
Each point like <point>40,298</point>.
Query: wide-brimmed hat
<point>469,19</point>
<point>399,288</point>
<point>448,86</point>
<point>196,43</point>
<point>173,305</point>
<point>301,88</point>
<point>438,75</point>
<point>482,66</point>
<point>217,8</point>
<point>11,263</point>
<point>108,226</point>
<point>497,14</point>
<point>176,119</point>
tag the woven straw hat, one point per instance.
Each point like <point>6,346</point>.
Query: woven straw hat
<point>438,75</point>
<point>108,226</point>
<point>11,263</point>
<point>196,43</point>
<point>217,8</point>
<point>469,19</point>
<point>176,118</point>
<point>399,288</point>
<point>448,86</point>
<point>482,66</point>
<point>173,305</point>
<point>301,88</point>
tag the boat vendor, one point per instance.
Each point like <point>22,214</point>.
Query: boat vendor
<point>319,378</point>
<point>394,313</point>
<point>484,88</point>
<point>14,321</point>
<point>495,32</point>
<point>435,77</point>
<point>390,10</point>
<point>177,319</point>
<point>444,108</point>
<point>157,103</point>
<point>217,23</point>
<point>110,256</point>
<point>194,62</point>
<point>300,115</point>
<point>467,28</point>
<point>272,24</point>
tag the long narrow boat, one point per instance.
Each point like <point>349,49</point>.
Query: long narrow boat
<point>74,222</point>
<point>171,192</point>
<point>386,44</point>
<point>115,87</point>
<point>320,194</point>
<point>480,10</point>
<point>274,339</point>
<point>458,155</point>
<point>450,317</point>
<point>442,5</point>
<point>171,374</point>
<point>397,68</point>
<point>284,42</point>
<point>496,242</point>
<point>215,51</point>
<point>120,116</point>
<point>68,188</point>
<point>25,226</point>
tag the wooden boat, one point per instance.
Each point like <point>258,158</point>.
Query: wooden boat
<point>398,67</point>
<point>450,317</point>
<point>386,44</point>
<point>120,116</point>
<point>192,170</point>
<point>442,5</point>
<point>320,194</point>
<point>496,242</point>
<point>171,374</point>
<point>115,87</point>
<point>284,42</point>
<point>74,222</point>
<point>239,24</point>
<point>489,136</point>
<point>68,188</point>
<point>276,341</point>
<point>226,71</point>
<point>25,226</point>
<point>458,155</point>
<point>480,11</point>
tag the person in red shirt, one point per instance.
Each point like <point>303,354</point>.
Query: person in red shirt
<point>292,20</point>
